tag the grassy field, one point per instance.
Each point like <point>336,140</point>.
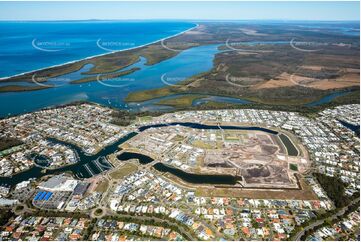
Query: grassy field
<point>148,94</point>
<point>102,186</point>
<point>178,138</point>
<point>180,102</point>
<point>256,194</point>
<point>202,144</point>
<point>104,77</point>
<point>123,171</point>
<point>305,194</point>
<point>145,118</point>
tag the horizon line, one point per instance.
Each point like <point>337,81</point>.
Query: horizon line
<point>164,19</point>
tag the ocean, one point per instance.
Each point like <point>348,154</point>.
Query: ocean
<point>31,45</point>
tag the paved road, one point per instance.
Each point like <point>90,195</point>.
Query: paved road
<point>298,236</point>
<point>149,218</point>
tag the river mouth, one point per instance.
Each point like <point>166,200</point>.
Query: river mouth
<point>112,92</point>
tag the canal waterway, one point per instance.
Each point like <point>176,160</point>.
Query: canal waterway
<point>352,127</point>
<point>185,176</point>
<point>205,126</point>
<point>197,178</point>
<point>143,159</point>
<point>90,165</point>
<point>87,165</point>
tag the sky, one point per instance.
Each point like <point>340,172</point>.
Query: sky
<point>180,10</point>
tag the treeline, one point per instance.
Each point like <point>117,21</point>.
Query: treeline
<point>334,188</point>
<point>168,222</point>
<point>352,208</point>
<point>8,142</point>
<point>56,213</point>
<point>352,97</point>
<point>5,215</point>
<point>125,117</point>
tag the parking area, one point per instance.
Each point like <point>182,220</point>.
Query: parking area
<point>50,200</point>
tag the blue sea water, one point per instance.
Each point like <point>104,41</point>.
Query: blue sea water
<point>26,46</point>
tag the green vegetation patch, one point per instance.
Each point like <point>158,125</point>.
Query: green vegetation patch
<point>124,117</point>
<point>181,102</point>
<point>123,171</point>
<point>145,119</point>
<point>293,167</point>
<point>98,211</point>
<point>105,77</point>
<point>146,95</point>
<point>19,208</point>
<point>334,188</point>
<point>231,136</point>
<point>5,216</point>
<point>202,144</point>
<point>16,88</point>
<point>103,186</point>
<point>178,138</point>
<point>9,142</point>
<point>45,74</point>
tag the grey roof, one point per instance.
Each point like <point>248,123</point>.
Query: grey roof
<point>54,181</point>
<point>81,188</point>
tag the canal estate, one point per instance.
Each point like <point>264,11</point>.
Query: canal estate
<point>89,165</point>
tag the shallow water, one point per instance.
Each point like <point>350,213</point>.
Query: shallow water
<point>112,92</point>
<point>327,98</point>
